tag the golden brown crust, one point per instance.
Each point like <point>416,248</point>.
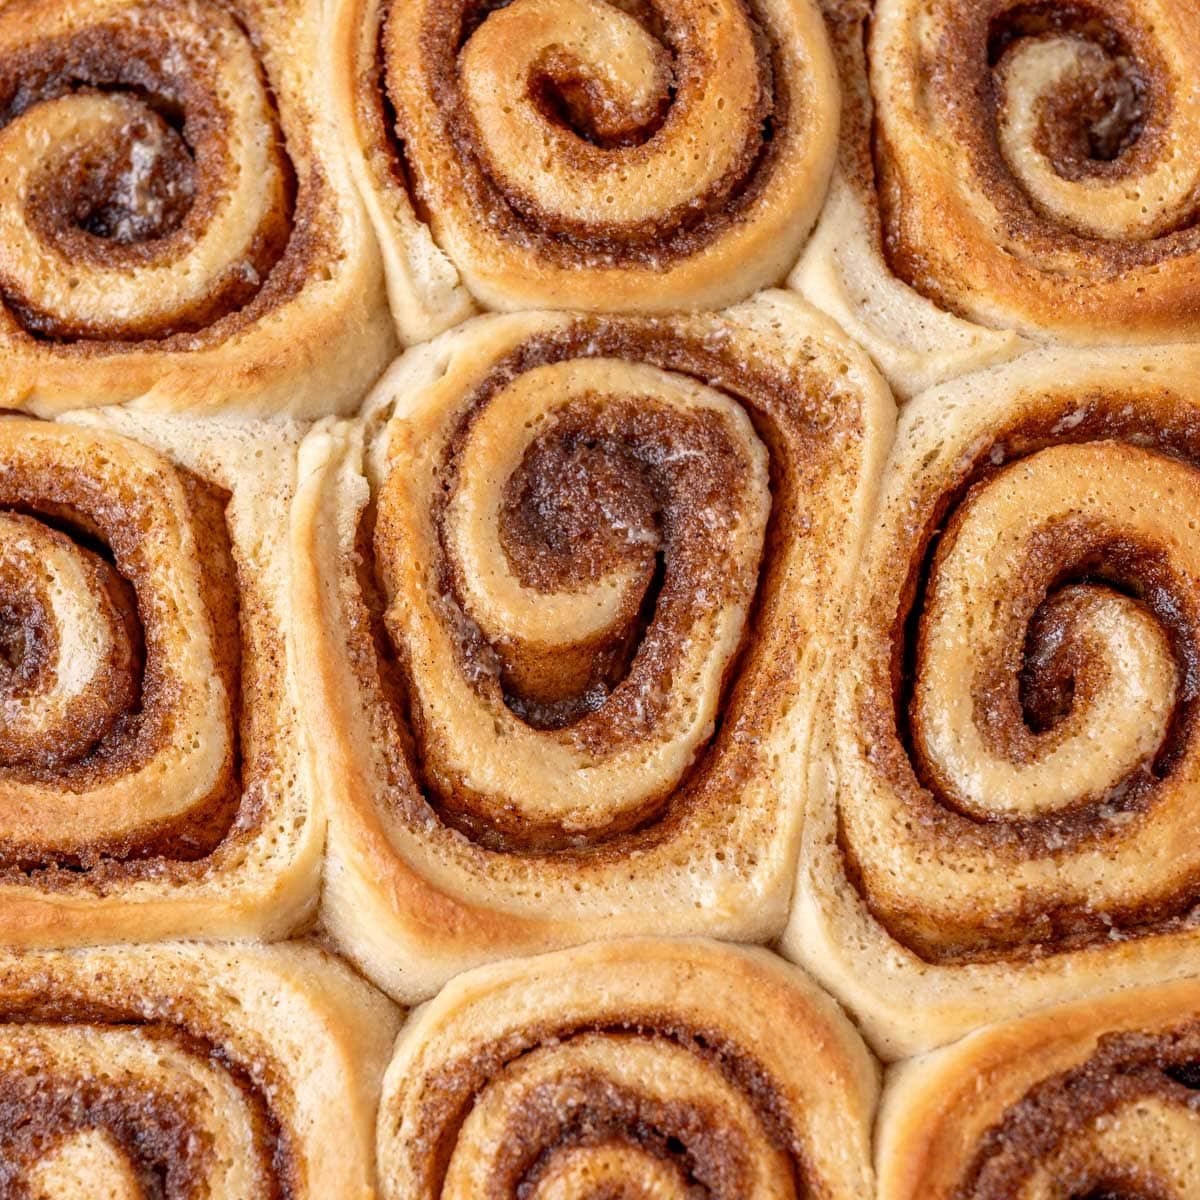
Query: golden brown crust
<point>648,1067</point>
<point>528,736</point>
<point>1009,765</point>
<point>1009,171</point>
<point>150,784</point>
<point>668,155</point>
<point>181,1070</point>
<point>178,227</point>
<point>1073,214</point>
<point>1090,1099</point>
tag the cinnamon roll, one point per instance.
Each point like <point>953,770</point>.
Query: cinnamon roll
<point>173,1071</point>
<point>177,224</point>
<point>1006,780</point>
<point>643,156</point>
<point>647,1068</point>
<point>1091,1100</point>
<point>564,623</point>
<point>150,780</point>
<point>1012,170</point>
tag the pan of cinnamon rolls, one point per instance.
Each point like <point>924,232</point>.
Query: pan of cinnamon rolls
<point>599,600</point>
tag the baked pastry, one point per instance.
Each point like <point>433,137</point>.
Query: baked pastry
<point>177,224</point>
<point>151,784</point>
<point>564,597</point>
<point>562,153</point>
<point>1011,169</point>
<point>185,1070</point>
<point>1095,1099</point>
<point>1006,779</point>
<point>648,1068</point>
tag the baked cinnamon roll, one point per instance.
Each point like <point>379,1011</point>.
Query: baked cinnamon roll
<point>564,596</point>
<point>1011,171</point>
<point>150,779</point>
<point>173,1071</point>
<point>643,1068</point>
<point>1007,777</point>
<point>1095,1099</point>
<point>579,154</point>
<point>177,225</point>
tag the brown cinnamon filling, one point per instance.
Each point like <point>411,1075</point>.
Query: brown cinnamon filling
<point>1058,1112</point>
<point>609,483</point>
<point>566,93</point>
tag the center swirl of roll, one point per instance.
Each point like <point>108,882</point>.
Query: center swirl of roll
<point>620,1115</point>
<point>1121,1124</point>
<point>70,644</point>
<point>145,192</point>
<point>1046,669</point>
<point>1082,121</point>
<point>599,531</point>
<point>116,700</point>
<point>554,88</point>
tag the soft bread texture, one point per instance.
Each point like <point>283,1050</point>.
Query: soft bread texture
<point>564,154</point>
<point>1005,779</point>
<point>152,783</point>
<point>1092,1099</point>
<point>236,1073</point>
<point>1008,173</point>
<point>647,1067</point>
<point>178,227</point>
<point>564,597</point>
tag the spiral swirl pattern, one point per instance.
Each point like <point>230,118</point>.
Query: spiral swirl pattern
<point>174,1073</point>
<point>144,760</point>
<point>1036,162</point>
<point>589,155</point>
<point>647,1068</point>
<point>111,653</point>
<point>599,562</point>
<point>1015,742</point>
<point>1081,1101</point>
<point>162,198</point>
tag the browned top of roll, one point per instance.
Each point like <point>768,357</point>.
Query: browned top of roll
<point>639,1068</point>
<point>1020,756</point>
<point>575,154</point>
<point>120,662</point>
<point>614,486</point>
<point>1036,164</point>
<point>157,191</point>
